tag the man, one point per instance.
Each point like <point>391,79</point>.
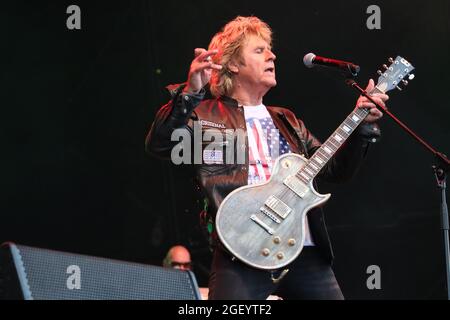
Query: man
<point>178,257</point>
<point>240,69</point>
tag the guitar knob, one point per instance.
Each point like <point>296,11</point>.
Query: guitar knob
<point>280,256</point>
<point>266,252</point>
<point>292,242</point>
<point>277,240</point>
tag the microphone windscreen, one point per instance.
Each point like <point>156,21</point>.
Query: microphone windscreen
<point>308,60</point>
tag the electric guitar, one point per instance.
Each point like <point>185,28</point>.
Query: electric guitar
<point>263,225</point>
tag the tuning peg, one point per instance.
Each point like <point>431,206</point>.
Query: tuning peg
<point>380,72</point>
<point>399,89</point>
<point>405,82</point>
<point>385,67</point>
<point>411,77</point>
<point>391,60</point>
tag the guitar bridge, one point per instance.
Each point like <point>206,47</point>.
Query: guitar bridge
<point>270,214</point>
<point>278,206</point>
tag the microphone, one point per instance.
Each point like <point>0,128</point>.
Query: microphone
<point>310,60</point>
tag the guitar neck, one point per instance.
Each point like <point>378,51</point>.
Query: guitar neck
<point>332,145</point>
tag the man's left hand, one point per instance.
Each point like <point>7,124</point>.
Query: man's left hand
<point>365,103</point>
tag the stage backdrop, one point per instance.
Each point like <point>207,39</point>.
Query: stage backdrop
<point>77,105</point>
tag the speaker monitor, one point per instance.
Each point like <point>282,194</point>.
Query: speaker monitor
<point>39,274</point>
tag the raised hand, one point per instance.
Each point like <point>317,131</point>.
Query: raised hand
<point>201,69</point>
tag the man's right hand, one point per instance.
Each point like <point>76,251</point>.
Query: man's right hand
<point>200,71</point>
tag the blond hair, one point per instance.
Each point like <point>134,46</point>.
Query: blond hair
<point>229,42</point>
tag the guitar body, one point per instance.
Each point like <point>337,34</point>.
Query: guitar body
<point>264,225</point>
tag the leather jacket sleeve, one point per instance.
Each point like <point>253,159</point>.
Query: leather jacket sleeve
<point>349,158</point>
<point>174,115</point>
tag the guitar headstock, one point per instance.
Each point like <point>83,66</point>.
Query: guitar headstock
<point>394,75</point>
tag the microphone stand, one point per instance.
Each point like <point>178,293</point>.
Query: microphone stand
<point>440,170</point>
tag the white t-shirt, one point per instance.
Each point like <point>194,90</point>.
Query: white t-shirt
<point>266,144</point>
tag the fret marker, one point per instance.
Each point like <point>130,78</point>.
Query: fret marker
<point>338,138</point>
<point>305,176</point>
<point>308,172</point>
<point>313,166</point>
<point>320,161</point>
<point>346,129</point>
<point>355,118</point>
<point>328,150</point>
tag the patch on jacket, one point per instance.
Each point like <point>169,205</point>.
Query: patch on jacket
<point>212,156</point>
<point>210,124</point>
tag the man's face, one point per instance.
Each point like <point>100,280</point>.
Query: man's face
<point>181,259</point>
<point>256,67</point>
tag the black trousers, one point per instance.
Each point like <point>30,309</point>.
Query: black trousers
<point>310,277</point>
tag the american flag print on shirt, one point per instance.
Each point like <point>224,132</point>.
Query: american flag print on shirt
<point>266,144</point>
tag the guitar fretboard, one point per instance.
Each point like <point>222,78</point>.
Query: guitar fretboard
<point>332,145</point>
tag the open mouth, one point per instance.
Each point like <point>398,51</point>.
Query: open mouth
<point>271,70</point>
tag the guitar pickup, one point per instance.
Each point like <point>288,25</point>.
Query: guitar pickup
<point>278,206</point>
<point>296,185</point>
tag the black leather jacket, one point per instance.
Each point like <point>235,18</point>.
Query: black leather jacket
<point>218,180</point>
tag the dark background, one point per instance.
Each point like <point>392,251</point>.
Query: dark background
<point>77,105</point>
